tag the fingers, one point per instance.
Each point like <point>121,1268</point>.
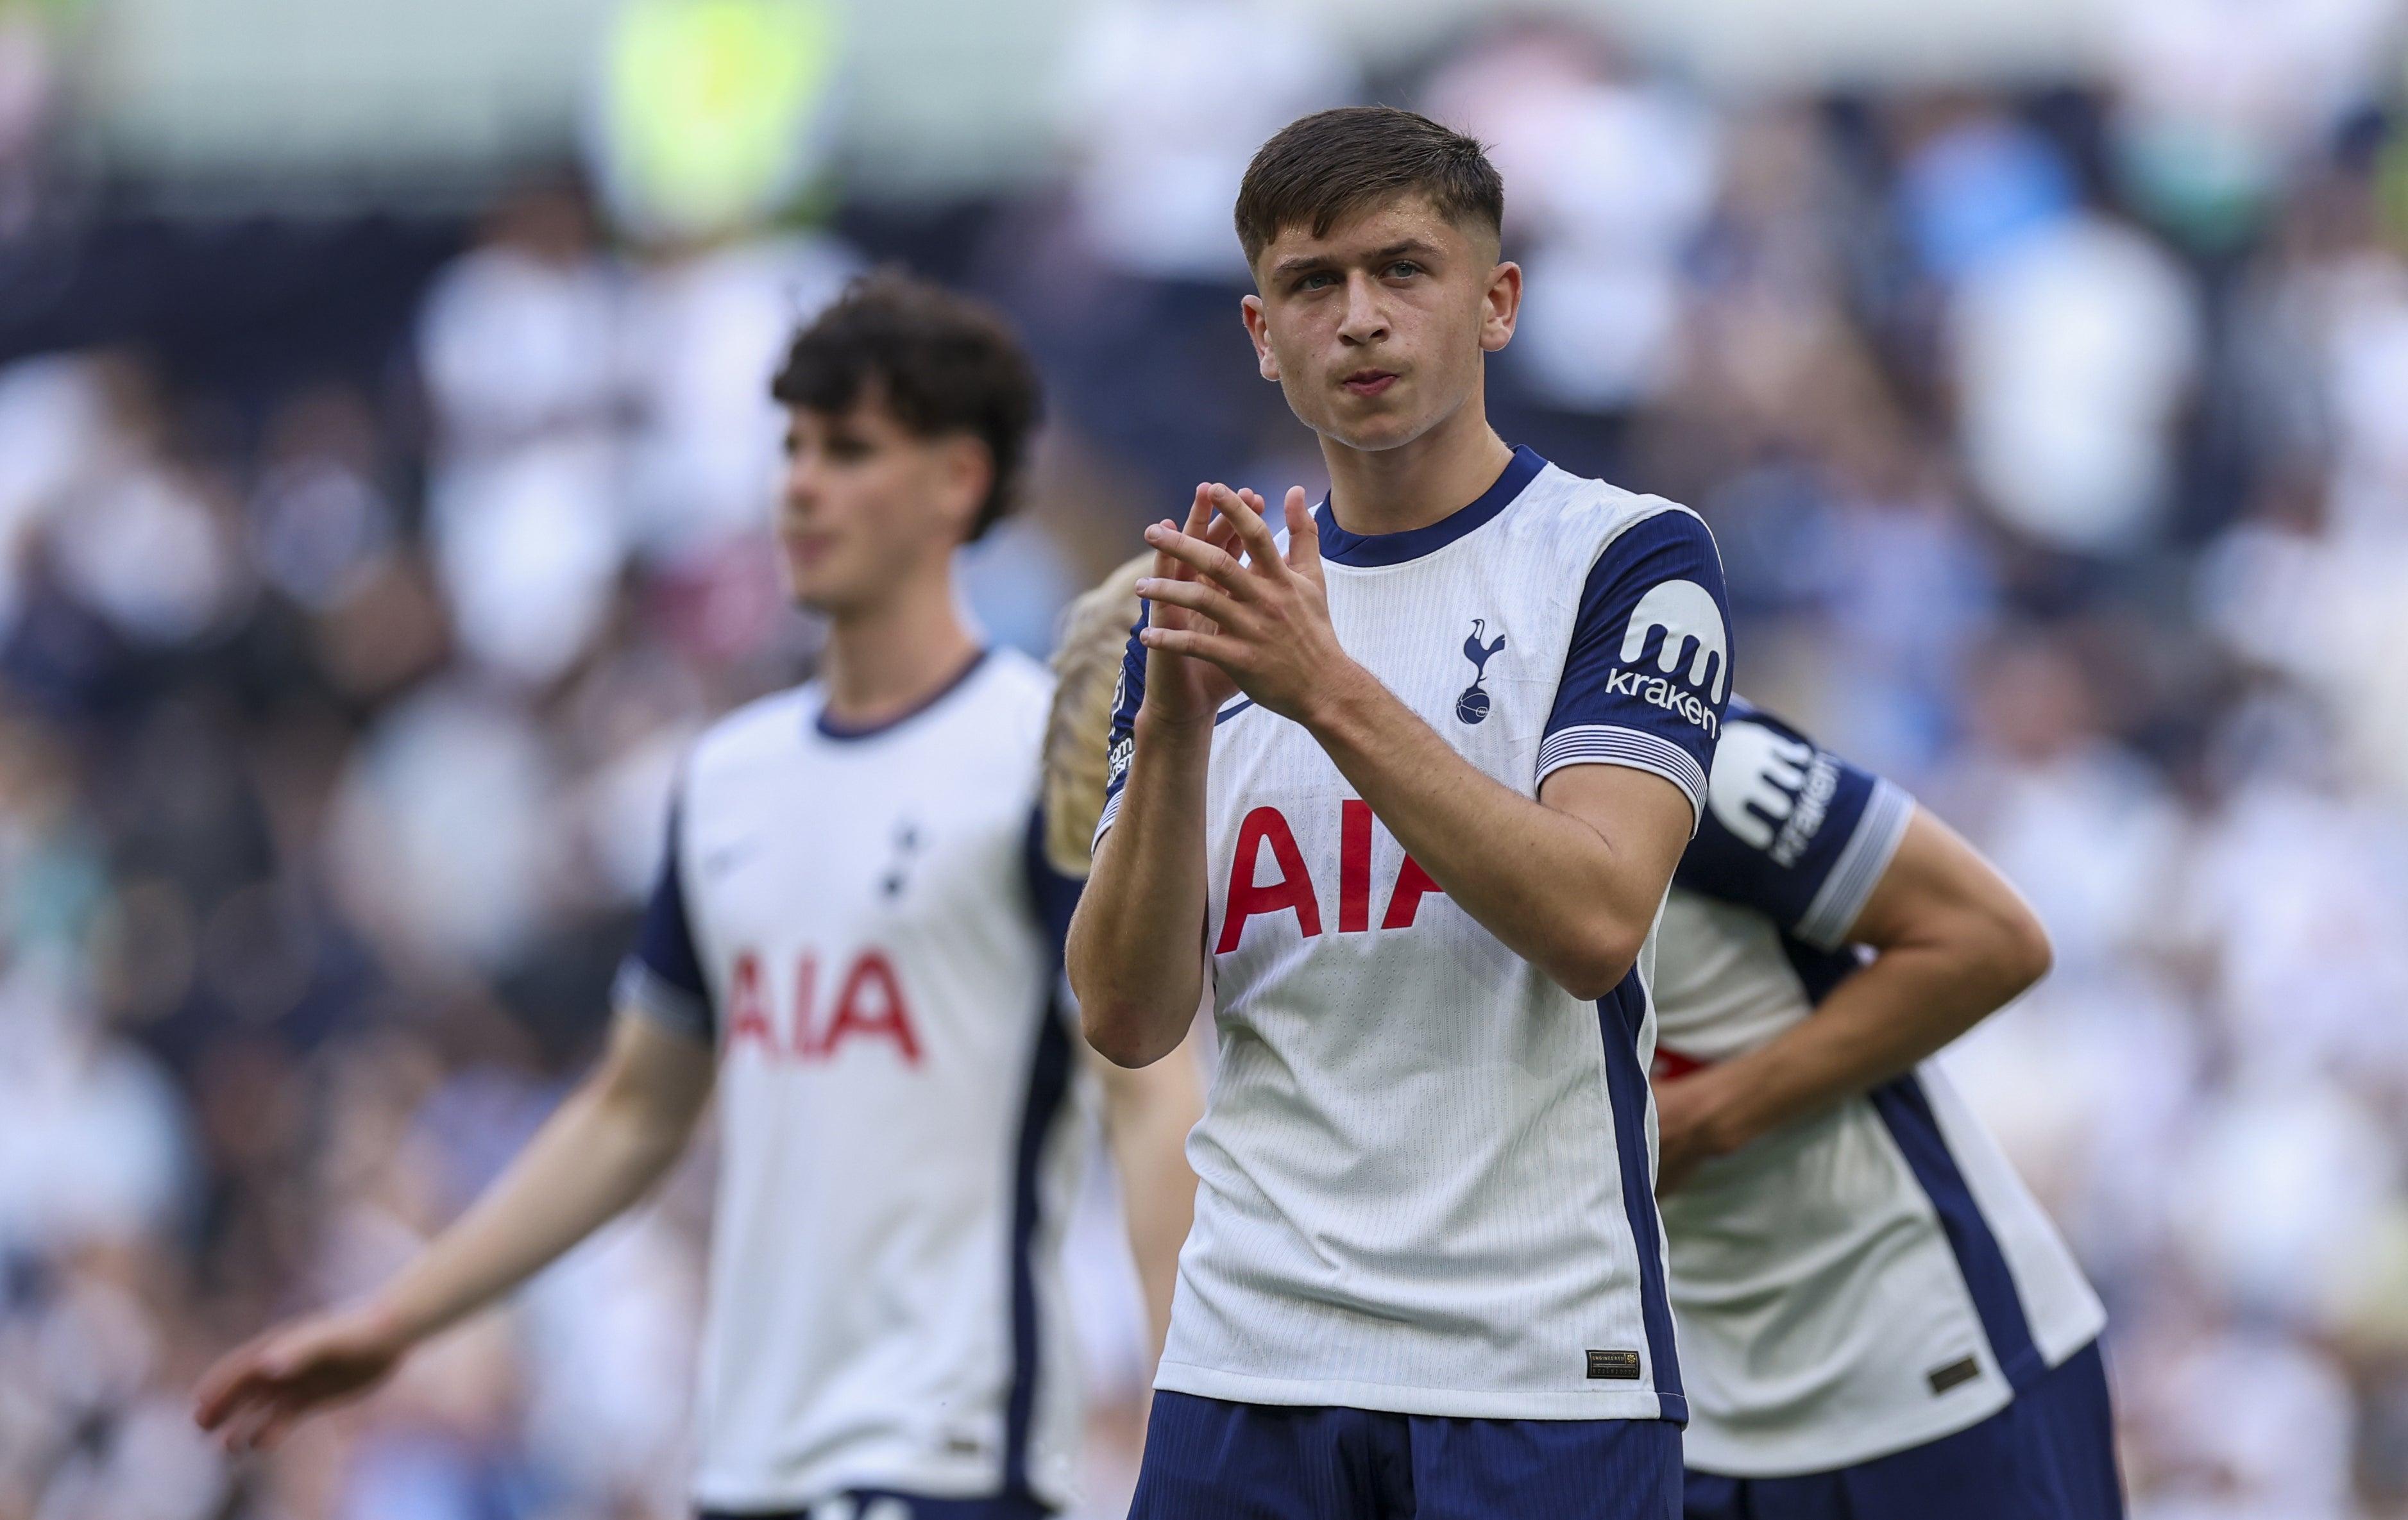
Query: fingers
<point>1210,648</point>
<point>223,1386</point>
<point>1303,534</point>
<point>1198,556</point>
<point>279,1425</point>
<point>1199,522</point>
<point>1198,596</point>
<point>1244,508</point>
<point>238,1420</point>
<point>213,1406</point>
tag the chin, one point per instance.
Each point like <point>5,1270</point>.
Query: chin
<point>1370,435</point>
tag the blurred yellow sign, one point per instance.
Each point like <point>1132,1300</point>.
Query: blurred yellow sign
<point>714,112</point>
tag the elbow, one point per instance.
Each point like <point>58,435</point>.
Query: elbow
<point>2021,952</point>
<point>1594,963</point>
<point>1119,1034</point>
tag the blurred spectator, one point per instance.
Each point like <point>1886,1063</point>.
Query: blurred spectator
<point>335,739</point>
<point>1162,103</point>
<point>2072,338</point>
<point>704,331</point>
<point>1610,175</point>
<point>2220,102</point>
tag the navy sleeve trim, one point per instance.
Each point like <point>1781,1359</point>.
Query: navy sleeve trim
<point>1646,676</point>
<point>663,975</point>
<point>1792,831</point>
<point>1859,867</point>
<point>640,988</point>
<point>1128,696</point>
<point>1054,895</point>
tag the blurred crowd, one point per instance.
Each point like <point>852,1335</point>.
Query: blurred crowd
<point>2057,442</point>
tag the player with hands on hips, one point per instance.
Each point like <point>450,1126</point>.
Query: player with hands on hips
<point>1877,1320</point>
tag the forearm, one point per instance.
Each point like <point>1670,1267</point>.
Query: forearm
<point>1548,885</point>
<point>1875,1024</point>
<point>1135,954</point>
<point>592,1158</point>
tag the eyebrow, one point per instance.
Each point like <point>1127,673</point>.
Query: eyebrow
<point>1297,264</point>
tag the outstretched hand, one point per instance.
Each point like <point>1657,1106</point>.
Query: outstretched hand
<point>1262,624</point>
<point>258,1392</point>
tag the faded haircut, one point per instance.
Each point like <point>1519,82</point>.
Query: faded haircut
<point>1321,169</point>
<point>1078,734</point>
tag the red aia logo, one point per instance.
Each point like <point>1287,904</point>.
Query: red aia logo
<point>1264,827</point>
<point>868,1005</point>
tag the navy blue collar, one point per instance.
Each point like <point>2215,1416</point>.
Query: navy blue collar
<point>1364,549</point>
<point>829,728</point>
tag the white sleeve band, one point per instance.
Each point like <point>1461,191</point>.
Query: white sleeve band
<point>1859,867</point>
<point>1603,744</point>
<point>640,987</point>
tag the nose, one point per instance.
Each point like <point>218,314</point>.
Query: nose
<point>800,484</point>
<point>1366,318</point>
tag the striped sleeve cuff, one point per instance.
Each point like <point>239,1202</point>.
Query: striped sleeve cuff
<point>640,987</point>
<point>1859,867</point>
<point>1603,744</point>
<point>1112,811</point>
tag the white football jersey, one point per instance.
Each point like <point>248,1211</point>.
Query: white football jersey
<point>864,924</point>
<point>1425,1169</point>
<point>1874,1277</point>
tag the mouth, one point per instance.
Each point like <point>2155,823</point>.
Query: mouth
<point>1369,382</point>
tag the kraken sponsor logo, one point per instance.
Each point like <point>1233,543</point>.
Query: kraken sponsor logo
<point>1685,610</point>
<point>1655,691</point>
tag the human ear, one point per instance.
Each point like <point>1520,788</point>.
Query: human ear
<point>1501,307</point>
<point>1258,329</point>
<point>967,469</point>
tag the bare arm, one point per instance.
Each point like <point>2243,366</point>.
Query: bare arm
<point>1956,943</point>
<point>1572,880</point>
<point>604,1147</point>
<point>1136,948</point>
<point>1147,1115</point>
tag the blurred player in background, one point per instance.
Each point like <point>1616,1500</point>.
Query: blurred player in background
<point>1876,1319</point>
<point>1413,782</point>
<point>856,935</point>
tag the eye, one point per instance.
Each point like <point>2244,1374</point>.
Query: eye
<point>1403,270</point>
<point>1318,280</point>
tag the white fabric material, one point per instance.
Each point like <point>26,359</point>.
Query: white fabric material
<point>1409,1191</point>
<point>860,1329</point>
<point>1815,1288</point>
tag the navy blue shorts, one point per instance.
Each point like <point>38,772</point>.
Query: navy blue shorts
<point>880,1504</point>
<point>2048,1455</point>
<point>1206,1459</point>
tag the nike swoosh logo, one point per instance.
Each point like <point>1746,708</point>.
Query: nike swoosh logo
<point>1227,714</point>
<point>720,860</point>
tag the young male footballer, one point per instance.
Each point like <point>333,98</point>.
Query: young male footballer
<point>856,938</point>
<point>1404,785</point>
<point>1876,1319</point>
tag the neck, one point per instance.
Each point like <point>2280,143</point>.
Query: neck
<point>1415,484</point>
<point>885,659</point>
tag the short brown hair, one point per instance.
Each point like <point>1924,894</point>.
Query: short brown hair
<point>1319,169</point>
<point>944,364</point>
